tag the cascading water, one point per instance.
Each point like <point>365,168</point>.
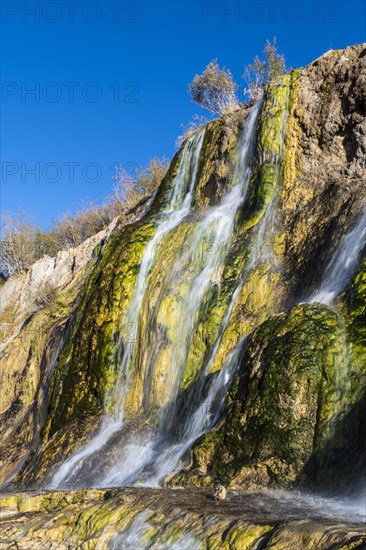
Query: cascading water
<point>343,264</point>
<point>210,368</point>
<point>167,455</point>
<point>205,411</point>
<point>147,458</point>
<point>156,455</point>
<point>136,537</point>
<point>179,204</point>
<point>216,226</point>
<point>338,274</point>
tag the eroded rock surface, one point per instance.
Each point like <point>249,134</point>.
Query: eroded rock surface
<point>186,519</point>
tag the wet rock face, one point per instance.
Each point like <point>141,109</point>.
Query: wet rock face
<point>36,309</point>
<point>295,409</point>
<point>281,402</point>
<point>300,376</point>
<point>292,409</point>
<point>36,312</point>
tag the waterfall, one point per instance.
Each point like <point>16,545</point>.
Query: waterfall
<point>148,461</point>
<point>157,455</point>
<point>255,255</point>
<point>163,455</point>
<point>71,466</point>
<point>339,272</point>
<point>135,536</point>
<point>147,458</point>
<point>202,419</point>
<point>216,227</point>
<point>343,265</point>
<point>179,204</point>
<point>138,536</point>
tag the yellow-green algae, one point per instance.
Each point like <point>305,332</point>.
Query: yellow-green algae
<point>281,404</point>
<point>86,370</point>
<point>93,519</point>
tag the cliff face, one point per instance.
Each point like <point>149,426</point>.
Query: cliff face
<point>36,309</point>
<point>294,410</point>
<point>213,291</point>
<point>324,189</point>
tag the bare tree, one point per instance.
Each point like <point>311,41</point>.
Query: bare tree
<point>17,243</point>
<point>262,71</point>
<point>130,189</point>
<point>22,243</point>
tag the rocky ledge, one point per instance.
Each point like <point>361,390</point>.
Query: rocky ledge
<point>176,519</point>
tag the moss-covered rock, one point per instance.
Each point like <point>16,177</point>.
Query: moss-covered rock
<point>290,389</point>
<point>133,518</point>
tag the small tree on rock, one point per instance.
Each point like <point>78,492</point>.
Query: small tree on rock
<point>214,89</point>
<point>262,71</point>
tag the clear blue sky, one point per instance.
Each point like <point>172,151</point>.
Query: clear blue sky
<point>149,51</point>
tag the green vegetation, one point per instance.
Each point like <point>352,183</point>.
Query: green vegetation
<point>216,91</point>
<point>286,390</point>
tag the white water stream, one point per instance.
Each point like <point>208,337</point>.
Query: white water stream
<point>179,204</point>
<point>150,458</point>
<point>216,226</point>
<point>343,264</point>
<point>147,458</point>
<point>138,537</point>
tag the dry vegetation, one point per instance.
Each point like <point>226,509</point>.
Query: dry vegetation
<point>22,242</point>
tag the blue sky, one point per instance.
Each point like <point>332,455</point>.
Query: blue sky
<point>110,81</point>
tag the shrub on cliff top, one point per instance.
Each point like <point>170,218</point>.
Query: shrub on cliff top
<point>130,188</point>
<point>262,71</point>
<point>214,89</point>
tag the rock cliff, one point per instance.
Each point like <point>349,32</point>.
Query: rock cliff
<point>220,337</point>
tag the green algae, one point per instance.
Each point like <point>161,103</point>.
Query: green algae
<point>292,366</point>
<point>94,520</point>
<point>309,351</point>
<point>86,371</point>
